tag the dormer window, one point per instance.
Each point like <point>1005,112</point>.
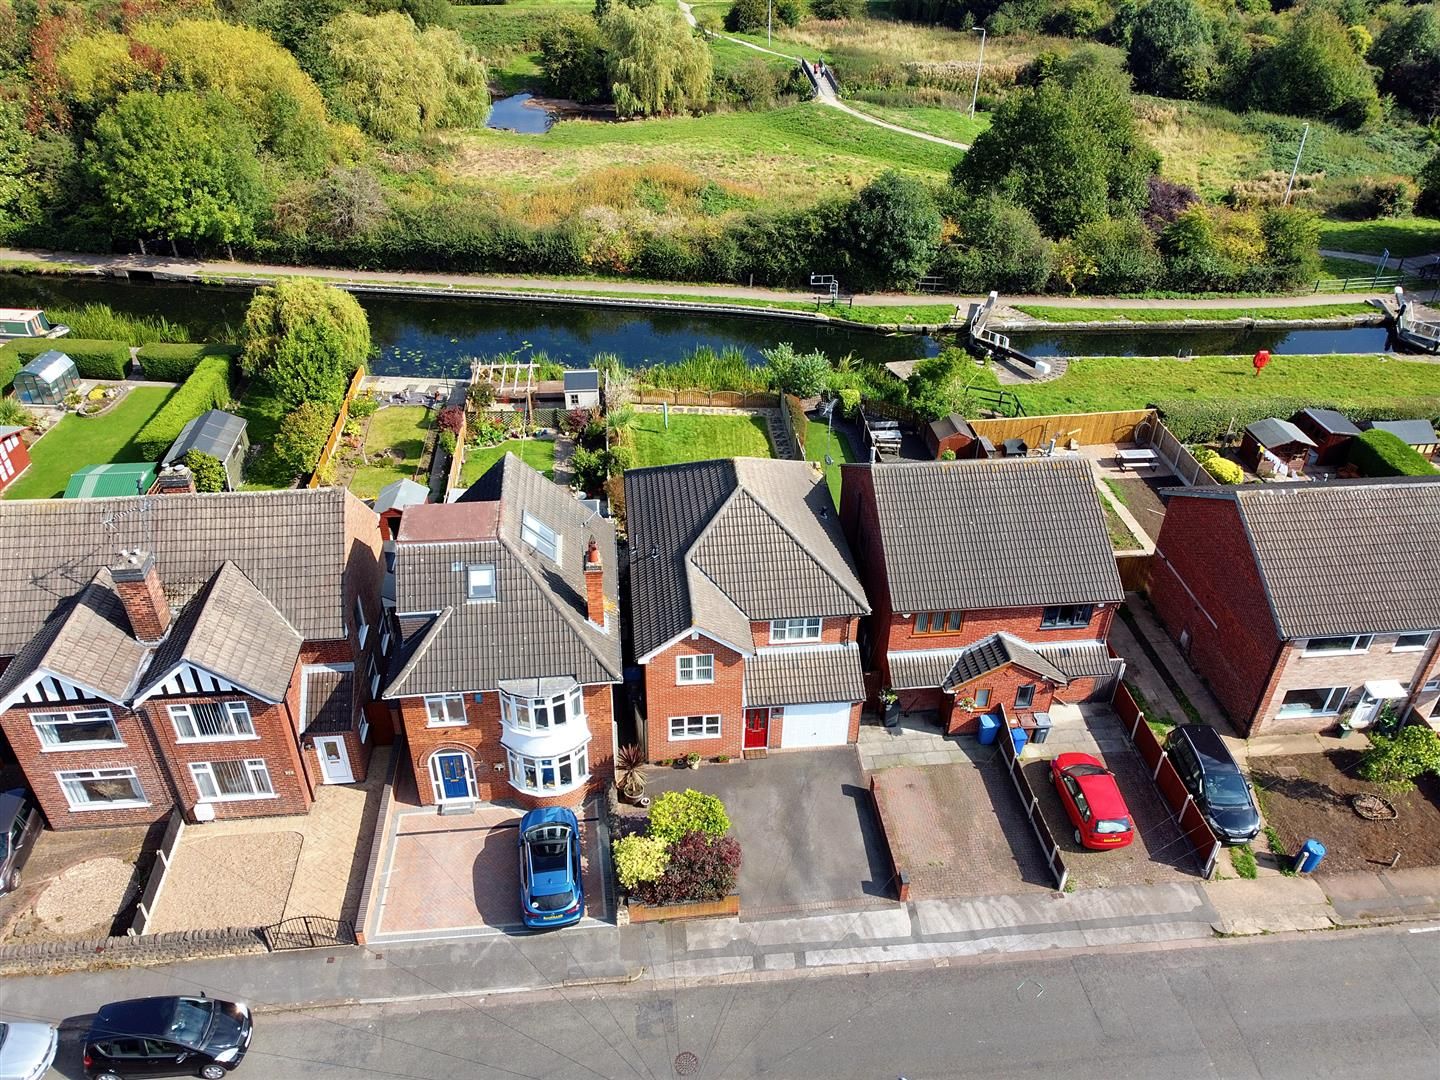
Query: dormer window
<point>480,583</point>
<point>540,536</point>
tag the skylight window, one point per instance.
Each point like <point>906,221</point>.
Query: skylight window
<point>540,536</point>
<point>480,582</point>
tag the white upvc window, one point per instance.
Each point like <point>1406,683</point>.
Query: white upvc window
<point>548,775</point>
<point>543,714</point>
<point>694,727</point>
<point>101,789</point>
<point>1338,646</point>
<point>790,630</point>
<point>231,781</point>
<point>1317,701</point>
<point>384,636</point>
<point>374,680</point>
<point>540,536</point>
<point>480,583</point>
<point>695,669</point>
<point>362,627</point>
<point>445,710</point>
<point>212,721</point>
<point>1411,642</point>
<point>364,728</point>
<point>81,729</point>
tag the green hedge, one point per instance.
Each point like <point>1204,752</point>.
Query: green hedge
<point>208,387</point>
<point>93,359</point>
<point>1379,453</point>
<point>10,363</point>
<point>1204,420</point>
<point>174,363</point>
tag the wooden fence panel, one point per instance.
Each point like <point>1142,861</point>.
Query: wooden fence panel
<point>1177,455</point>
<point>457,459</point>
<point>1134,571</point>
<point>338,428</point>
<point>796,418</point>
<point>1085,428</point>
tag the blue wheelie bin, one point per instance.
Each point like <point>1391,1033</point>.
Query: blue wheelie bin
<point>1307,859</point>
<point>989,728</point>
<point>1021,737</point>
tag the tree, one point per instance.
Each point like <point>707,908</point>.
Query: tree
<point>999,247</point>
<point>1398,762</point>
<point>656,63</point>
<point>934,388</point>
<point>302,436</point>
<point>676,814</point>
<point>752,14</point>
<point>304,339</point>
<point>572,57</point>
<point>399,81</point>
<point>1172,50</point>
<point>346,203</point>
<point>1122,252</point>
<point>1407,52</point>
<point>1316,70</point>
<point>207,469</point>
<point>791,372</point>
<point>1292,243</point>
<point>892,231</point>
<point>1429,182</point>
<point>837,9</point>
<point>181,167</point>
<point>17,197</point>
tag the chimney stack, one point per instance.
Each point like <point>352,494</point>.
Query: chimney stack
<point>174,480</point>
<point>594,585</point>
<point>137,583</point>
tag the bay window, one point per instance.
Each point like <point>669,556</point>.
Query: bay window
<point>543,713</point>
<point>548,775</point>
<point>76,730</point>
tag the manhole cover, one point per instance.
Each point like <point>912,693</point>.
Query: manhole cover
<point>1287,772</point>
<point>686,1064</point>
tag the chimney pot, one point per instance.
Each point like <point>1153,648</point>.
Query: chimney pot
<point>594,585</point>
<point>137,583</point>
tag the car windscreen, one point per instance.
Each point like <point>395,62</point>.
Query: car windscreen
<point>1112,825</point>
<point>4,846</point>
<point>1085,770</point>
<point>191,1020</point>
<point>1226,788</point>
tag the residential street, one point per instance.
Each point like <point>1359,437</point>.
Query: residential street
<point>1324,1005</point>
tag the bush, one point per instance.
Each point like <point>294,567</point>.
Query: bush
<point>305,339</point>
<point>207,387</point>
<point>302,436</point>
<point>678,813</point>
<point>702,868</point>
<point>94,359</point>
<point>1398,762</point>
<point>363,405</point>
<point>1222,469</point>
<point>1379,453</point>
<point>640,859</point>
<point>13,414</point>
<point>1429,182</point>
<point>790,372</point>
<point>450,419</point>
<point>837,9</point>
<point>208,471</point>
<point>174,363</point>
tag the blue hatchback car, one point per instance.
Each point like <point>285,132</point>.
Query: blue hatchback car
<point>551,890</point>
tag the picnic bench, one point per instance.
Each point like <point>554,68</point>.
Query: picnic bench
<point>1134,459</point>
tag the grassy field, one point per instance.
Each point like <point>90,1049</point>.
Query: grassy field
<point>1101,383</point>
<point>78,441</point>
<point>1151,315</point>
<point>394,446</point>
<point>692,437</point>
<point>1403,236</point>
<point>841,452</point>
<point>946,123</point>
<point>537,453</point>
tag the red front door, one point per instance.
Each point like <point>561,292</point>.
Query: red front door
<point>757,729</point>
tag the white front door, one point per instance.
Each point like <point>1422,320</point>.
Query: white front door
<point>334,761</point>
<point>827,724</point>
<point>1366,709</point>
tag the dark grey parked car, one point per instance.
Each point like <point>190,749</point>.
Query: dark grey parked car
<point>19,825</point>
<point>1211,775</point>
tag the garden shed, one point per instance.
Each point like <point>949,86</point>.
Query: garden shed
<point>1275,446</point>
<point>47,379</point>
<point>1417,434</point>
<point>1332,433</point>
<point>111,481</point>
<point>219,434</point>
<point>952,432</point>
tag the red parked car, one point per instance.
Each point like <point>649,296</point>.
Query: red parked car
<point>1093,801</point>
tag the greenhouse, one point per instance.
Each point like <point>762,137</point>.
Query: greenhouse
<point>47,379</point>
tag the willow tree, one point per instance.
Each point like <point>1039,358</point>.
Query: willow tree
<point>656,62</point>
<point>304,339</point>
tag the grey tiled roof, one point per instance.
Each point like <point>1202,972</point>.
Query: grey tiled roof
<point>231,630</point>
<point>537,626</point>
<point>959,535</point>
<point>328,698</point>
<point>717,544</point>
<point>801,676</point>
<point>1275,432</point>
<point>1410,432</point>
<point>994,652</point>
<point>399,494</point>
<point>291,544</point>
<point>917,669</point>
<point>1078,660</point>
<point>1328,420</point>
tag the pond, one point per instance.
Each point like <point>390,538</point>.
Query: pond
<point>516,113</point>
<point>437,338</point>
<point>1202,342</point>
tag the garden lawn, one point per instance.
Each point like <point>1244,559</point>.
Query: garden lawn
<point>394,447</point>
<point>263,415</point>
<point>1104,383</point>
<point>78,441</point>
<point>693,437</point>
<point>840,451</point>
<point>1151,315</point>
<point>1403,236</point>
<point>539,454</point>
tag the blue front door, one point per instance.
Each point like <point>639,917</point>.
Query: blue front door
<point>454,783</point>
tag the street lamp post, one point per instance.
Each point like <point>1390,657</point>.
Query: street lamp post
<point>978,65</point>
<point>769,19</point>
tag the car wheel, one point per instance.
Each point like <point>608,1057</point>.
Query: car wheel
<point>14,881</point>
<point>213,1072</point>
<point>1078,842</point>
<point>108,1076</point>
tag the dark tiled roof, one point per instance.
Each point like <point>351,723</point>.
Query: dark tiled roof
<point>717,544</point>
<point>916,669</point>
<point>1078,660</point>
<point>954,424</point>
<point>1410,432</point>
<point>291,544</point>
<point>995,652</point>
<point>537,626</point>
<point>328,697</point>
<point>801,676</point>
<point>1274,432</point>
<point>1328,421</point>
<point>959,535</point>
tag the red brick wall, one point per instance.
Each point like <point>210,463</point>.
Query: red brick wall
<point>975,625</point>
<point>833,630</point>
<point>1203,544</point>
<point>664,699</point>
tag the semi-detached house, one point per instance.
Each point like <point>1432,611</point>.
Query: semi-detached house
<point>212,652</point>
<point>744,609</point>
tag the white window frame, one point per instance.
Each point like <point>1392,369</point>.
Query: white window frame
<point>536,534</point>
<point>1431,685</point>
<point>1426,634</point>
<point>702,722</point>
<point>525,714</point>
<point>1355,647</point>
<point>694,662</point>
<point>362,625</point>
<point>78,776</point>
<point>441,704</point>
<point>364,727</point>
<point>61,718</point>
<point>520,766</point>
<point>235,712</point>
<point>483,595</point>
<point>787,630</point>
<point>374,680</point>
<point>384,636</point>
<point>203,772</point>
<point>1334,701</point>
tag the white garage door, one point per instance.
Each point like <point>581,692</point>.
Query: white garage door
<point>816,725</point>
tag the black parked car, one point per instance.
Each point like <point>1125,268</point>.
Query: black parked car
<point>167,1036</point>
<point>1211,775</point>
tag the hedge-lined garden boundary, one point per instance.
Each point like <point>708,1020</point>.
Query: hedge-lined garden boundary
<point>174,363</point>
<point>1205,420</point>
<point>1380,453</point>
<point>93,359</point>
<point>208,387</point>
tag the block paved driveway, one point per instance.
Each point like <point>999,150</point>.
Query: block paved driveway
<point>807,829</point>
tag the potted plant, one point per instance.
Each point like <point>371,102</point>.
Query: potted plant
<point>692,760</point>
<point>890,702</point>
<point>629,780</point>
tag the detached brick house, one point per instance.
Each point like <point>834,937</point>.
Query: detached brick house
<point>744,609</point>
<point>1304,603</point>
<point>212,652</point>
<point>508,620</point>
<point>993,583</point>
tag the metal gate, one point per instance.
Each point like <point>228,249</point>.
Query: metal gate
<point>308,932</point>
